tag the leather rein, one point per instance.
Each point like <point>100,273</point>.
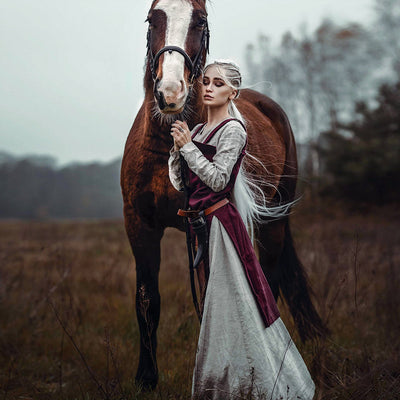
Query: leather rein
<point>194,66</point>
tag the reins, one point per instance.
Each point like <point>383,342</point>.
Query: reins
<point>188,238</point>
<point>194,66</point>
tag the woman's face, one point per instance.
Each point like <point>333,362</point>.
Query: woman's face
<point>215,91</point>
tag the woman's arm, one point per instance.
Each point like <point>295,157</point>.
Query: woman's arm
<point>174,169</point>
<point>216,174</point>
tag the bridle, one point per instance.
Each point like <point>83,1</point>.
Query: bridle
<point>194,65</point>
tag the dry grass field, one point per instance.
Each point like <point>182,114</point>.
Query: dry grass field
<point>68,329</point>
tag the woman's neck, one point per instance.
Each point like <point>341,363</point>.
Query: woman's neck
<point>216,115</point>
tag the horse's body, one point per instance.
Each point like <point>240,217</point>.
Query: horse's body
<point>151,202</point>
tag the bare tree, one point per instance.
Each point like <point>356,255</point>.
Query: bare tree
<point>318,77</point>
<point>387,27</point>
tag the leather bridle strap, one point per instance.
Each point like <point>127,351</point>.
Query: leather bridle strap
<point>170,49</point>
<point>193,66</point>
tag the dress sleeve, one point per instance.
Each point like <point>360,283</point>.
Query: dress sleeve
<point>174,169</point>
<point>216,173</point>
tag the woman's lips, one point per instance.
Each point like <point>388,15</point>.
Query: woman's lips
<point>208,97</point>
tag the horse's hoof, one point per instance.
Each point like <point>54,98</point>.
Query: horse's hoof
<point>146,383</point>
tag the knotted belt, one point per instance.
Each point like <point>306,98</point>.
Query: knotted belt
<point>207,211</point>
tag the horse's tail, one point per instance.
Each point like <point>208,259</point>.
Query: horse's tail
<point>297,291</point>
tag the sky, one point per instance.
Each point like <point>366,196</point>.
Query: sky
<point>71,72</point>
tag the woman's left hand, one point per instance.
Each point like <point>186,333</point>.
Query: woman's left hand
<point>181,134</point>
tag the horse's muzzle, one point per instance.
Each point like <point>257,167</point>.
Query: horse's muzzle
<point>170,97</point>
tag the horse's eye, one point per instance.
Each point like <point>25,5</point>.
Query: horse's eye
<point>148,19</point>
<point>202,22</point>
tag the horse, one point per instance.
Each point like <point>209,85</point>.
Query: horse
<point>177,46</point>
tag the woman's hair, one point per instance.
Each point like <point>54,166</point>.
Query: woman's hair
<point>248,196</point>
<point>231,75</point>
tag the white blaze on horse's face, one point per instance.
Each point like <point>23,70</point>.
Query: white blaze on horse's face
<point>173,85</point>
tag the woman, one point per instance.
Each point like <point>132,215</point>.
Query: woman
<point>243,345</point>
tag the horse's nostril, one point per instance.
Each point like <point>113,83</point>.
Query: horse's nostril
<point>160,100</point>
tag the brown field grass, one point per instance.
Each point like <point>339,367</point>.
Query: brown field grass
<point>68,329</point>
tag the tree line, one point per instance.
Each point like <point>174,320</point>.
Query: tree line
<point>33,187</point>
<point>340,88</point>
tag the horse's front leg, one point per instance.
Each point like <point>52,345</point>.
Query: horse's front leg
<point>145,245</point>
<point>147,309</point>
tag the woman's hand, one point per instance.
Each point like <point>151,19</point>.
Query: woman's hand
<point>181,134</point>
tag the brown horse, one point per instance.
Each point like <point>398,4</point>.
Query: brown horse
<point>177,47</point>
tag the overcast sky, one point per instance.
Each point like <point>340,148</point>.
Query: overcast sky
<point>71,71</point>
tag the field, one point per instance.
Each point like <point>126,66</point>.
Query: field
<point>68,329</point>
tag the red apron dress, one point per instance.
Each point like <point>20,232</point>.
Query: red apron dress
<point>244,347</point>
<point>202,197</point>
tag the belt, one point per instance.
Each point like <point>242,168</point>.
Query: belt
<point>207,211</point>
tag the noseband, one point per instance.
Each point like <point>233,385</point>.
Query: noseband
<point>193,66</point>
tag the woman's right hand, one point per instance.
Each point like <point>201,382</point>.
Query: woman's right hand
<point>181,134</point>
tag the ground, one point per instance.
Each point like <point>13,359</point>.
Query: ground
<point>68,329</point>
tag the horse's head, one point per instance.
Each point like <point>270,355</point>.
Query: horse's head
<point>177,43</point>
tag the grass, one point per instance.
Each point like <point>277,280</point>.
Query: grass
<point>68,328</point>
